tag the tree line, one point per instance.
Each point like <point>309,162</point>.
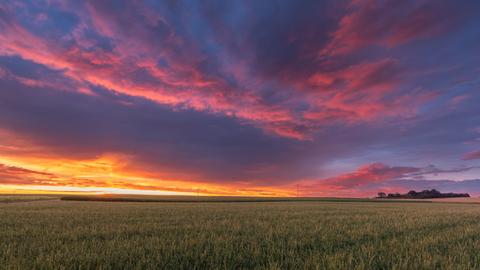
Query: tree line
<point>425,194</point>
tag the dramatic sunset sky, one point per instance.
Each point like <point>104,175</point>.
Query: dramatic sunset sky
<point>337,98</point>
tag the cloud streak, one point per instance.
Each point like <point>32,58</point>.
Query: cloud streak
<point>472,155</point>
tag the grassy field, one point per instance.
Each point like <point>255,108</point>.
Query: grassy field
<point>239,235</point>
<point>190,199</point>
<point>25,198</point>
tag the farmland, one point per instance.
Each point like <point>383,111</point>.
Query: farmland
<point>25,198</point>
<point>305,234</point>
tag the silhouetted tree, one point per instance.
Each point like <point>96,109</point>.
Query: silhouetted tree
<point>424,194</point>
<point>382,195</point>
<point>412,193</point>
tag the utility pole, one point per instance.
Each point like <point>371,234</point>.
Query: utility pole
<point>297,190</point>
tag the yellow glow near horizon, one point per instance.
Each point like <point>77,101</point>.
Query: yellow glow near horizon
<point>108,174</point>
<point>32,189</point>
<point>31,168</point>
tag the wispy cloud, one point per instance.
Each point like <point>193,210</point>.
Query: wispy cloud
<point>472,155</point>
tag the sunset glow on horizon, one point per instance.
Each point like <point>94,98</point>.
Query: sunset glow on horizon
<point>239,98</point>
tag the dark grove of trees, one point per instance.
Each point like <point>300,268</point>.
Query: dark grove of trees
<point>425,194</point>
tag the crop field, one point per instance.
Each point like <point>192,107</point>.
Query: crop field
<point>25,198</point>
<point>72,234</point>
<point>191,199</point>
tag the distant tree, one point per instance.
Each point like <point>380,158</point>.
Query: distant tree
<point>424,194</point>
<point>382,195</point>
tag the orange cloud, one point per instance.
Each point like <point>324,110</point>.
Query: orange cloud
<point>110,172</point>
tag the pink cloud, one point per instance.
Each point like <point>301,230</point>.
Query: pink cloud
<point>355,183</point>
<point>362,92</point>
<point>181,86</point>
<point>369,179</point>
<point>457,100</point>
<point>389,23</point>
<point>357,92</point>
<point>472,155</point>
<point>367,174</point>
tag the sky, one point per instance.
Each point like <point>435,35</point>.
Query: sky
<point>259,98</point>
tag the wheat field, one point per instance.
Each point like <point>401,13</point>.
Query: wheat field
<point>239,235</point>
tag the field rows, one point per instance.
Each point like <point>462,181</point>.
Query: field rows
<point>268,235</point>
